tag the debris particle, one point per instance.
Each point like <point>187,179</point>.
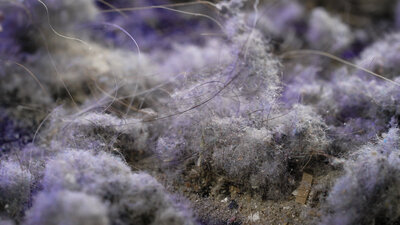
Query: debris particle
<point>233,205</point>
<point>304,189</point>
<point>254,217</point>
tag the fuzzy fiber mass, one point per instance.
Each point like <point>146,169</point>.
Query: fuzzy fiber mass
<point>199,112</point>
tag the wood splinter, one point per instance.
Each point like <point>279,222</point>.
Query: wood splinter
<point>303,190</point>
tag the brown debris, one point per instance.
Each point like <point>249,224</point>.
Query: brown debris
<point>304,189</point>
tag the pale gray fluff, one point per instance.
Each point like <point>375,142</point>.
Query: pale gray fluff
<point>131,198</point>
<point>67,208</point>
<point>65,14</point>
<point>368,191</point>
<point>328,33</point>
<point>4,221</point>
<point>382,56</point>
<point>15,184</point>
<point>104,132</point>
<point>261,156</point>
